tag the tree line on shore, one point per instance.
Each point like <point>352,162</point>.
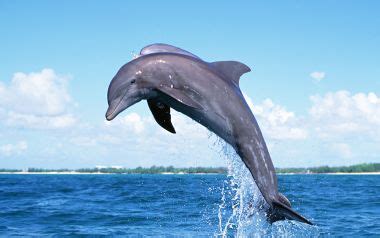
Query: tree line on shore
<point>359,168</point>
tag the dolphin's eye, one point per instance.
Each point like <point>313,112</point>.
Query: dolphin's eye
<point>133,81</point>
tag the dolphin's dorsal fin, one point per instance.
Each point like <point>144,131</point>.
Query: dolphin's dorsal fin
<point>161,113</point>
<point>232,70</point>
<point>163,48</point>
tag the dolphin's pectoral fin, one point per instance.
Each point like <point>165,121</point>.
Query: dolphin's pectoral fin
<point>232,70</point>
<point>161,113</point>
<point>180,96</point>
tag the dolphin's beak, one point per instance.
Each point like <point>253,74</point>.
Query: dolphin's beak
<point>115,107</point>
<point>119,105</point>
<point>110,113</point>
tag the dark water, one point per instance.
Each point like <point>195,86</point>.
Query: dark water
<point>181,205</point>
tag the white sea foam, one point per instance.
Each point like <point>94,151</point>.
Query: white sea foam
<point>242,208</point>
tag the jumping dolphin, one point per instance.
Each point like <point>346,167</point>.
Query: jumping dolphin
<point>169,77</point>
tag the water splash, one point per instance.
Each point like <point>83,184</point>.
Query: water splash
<point>241,211</point>
<point>134,55</point>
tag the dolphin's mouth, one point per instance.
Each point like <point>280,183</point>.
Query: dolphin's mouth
<point>112,110</point>
<point>110,114</point>
<point>117,106</point>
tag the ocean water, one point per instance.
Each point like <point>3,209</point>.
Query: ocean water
<point>184,206</point>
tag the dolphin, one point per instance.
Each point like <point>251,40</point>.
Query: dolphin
<point>169,77</point>
<point>160,47</point>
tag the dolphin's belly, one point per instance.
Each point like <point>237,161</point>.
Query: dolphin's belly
<point>213,121</point>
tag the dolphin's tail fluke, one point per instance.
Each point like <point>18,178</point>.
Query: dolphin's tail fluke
<point>280,211</point>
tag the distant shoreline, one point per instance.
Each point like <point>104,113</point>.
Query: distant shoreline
<point>337,173</point>
<point>74,172</point>
<point>358,169</point>
<point>101,173</point>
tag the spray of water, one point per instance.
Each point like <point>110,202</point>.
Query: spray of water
<point>241,211</point>
<point>241,206</point>
<point>134,55</point>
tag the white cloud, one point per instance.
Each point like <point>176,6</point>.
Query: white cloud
<point>339,125</point>
<point>37,100</point>
<point>318,76</point>
<point>40,122</point>
<point>342,149</point>
<point>276,121</point>
<point>132,121</point>
<point>340,113</point>
<point>85,141</point>
<point>12,149</point>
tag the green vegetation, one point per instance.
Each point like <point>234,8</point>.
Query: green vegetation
<point>155,170</point>
<point>10,170</point>
<point>359,168</point>
<point>38,170</point>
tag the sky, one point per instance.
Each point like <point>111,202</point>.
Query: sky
<point>314,86</point>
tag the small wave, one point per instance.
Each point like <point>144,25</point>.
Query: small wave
<point>51,202</point>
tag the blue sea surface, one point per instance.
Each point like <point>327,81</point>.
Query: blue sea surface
<point>182,206</point>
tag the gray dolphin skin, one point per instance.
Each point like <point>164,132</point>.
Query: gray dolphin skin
<point>169,77</point>
<point>159,47</point>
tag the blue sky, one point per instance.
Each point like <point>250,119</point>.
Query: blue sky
<point>314,85</point>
